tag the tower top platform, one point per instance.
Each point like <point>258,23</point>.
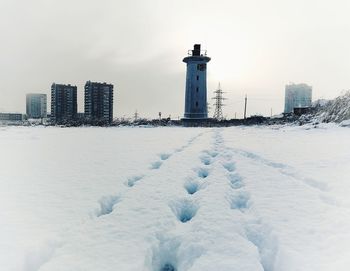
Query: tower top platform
<point>197,55</point>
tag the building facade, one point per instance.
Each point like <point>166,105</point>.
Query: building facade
<point>297,96</point>
<point>36,106</point>
<point>196,84</point>
<point>98,102</point>
<point>11,117</point>
<point>63,103</point>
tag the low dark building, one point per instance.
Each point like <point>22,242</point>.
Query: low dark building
<point>98,105</point>
<point>63,103</point>
<point>301,110</point>
<point>11,117</point>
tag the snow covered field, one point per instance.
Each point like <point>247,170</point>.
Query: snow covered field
<point>162,199</point>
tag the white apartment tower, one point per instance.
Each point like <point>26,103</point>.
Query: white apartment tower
<point>297,96</point>
<point>36,106</point>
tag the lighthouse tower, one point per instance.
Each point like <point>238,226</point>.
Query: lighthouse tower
<point>196,85</point>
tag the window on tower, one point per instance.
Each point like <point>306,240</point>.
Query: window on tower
<point>197,89</point>
<point>197,77</point>
<point>196,104</point>
<point>201,67</point>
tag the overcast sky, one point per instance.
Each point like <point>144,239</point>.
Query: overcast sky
<point>256,48</point>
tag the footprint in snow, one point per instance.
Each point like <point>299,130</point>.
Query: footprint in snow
<point>229,166</point>
<point>164,156</point>
<point>184,209</point>
<point>213,154</point>
<point>107,204</point>
<point>206,160</point>
<point>168,267</point>
<point>203,173</point>
<point>240,201</point>
<point>165,255</point>
<point>192,186</point>
<point>235,181</point>
<point>133,180</point>
<point>156,165</point>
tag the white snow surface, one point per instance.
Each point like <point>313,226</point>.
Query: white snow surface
<point>162,199</point>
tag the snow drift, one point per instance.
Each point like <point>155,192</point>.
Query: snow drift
<point>337,110</point>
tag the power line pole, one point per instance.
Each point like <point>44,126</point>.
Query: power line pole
<point>218,103</point>
<point>245,106</point>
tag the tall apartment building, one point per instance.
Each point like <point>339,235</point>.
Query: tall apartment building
<point>36,106</point>
<point>63,103</point>
<point>98,105</point>
<point>297,96</point>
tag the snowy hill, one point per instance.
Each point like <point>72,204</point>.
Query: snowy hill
<point>166,199</point>
<point>337,110</point>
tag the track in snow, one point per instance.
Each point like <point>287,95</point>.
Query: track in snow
<point>257,232</point>
<point>185,209</point>
<point>283,169</point>
<point>289,171</point>
<point>108,202</point>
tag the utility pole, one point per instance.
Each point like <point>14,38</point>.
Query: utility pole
<point>271,112</point>
<point>245,106</point>
<point>136,116</point>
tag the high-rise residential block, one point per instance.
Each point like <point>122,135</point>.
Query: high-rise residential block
<point>297,96</point>
<point>63,103</point>
<point>98,105</point>
<point>36,106</point>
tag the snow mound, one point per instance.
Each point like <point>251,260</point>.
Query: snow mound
<point>345,123</point>
<point>337,110</point>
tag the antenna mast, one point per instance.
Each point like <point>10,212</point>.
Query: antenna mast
<point>136,116</point>
<point>218,99</point>
<point>245,106</point>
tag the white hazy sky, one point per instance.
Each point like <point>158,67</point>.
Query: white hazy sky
<point>256,48</point>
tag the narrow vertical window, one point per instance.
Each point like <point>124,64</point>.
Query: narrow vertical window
<point>197,77</point>
<point>197,89</point>
<point>196,104</point>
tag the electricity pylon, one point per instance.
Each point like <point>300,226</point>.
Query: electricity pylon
<point>218,103</point>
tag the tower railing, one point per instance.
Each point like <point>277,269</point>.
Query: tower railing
<point>202,53</point>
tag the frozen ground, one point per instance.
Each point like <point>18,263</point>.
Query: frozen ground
<point>162,199</point>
